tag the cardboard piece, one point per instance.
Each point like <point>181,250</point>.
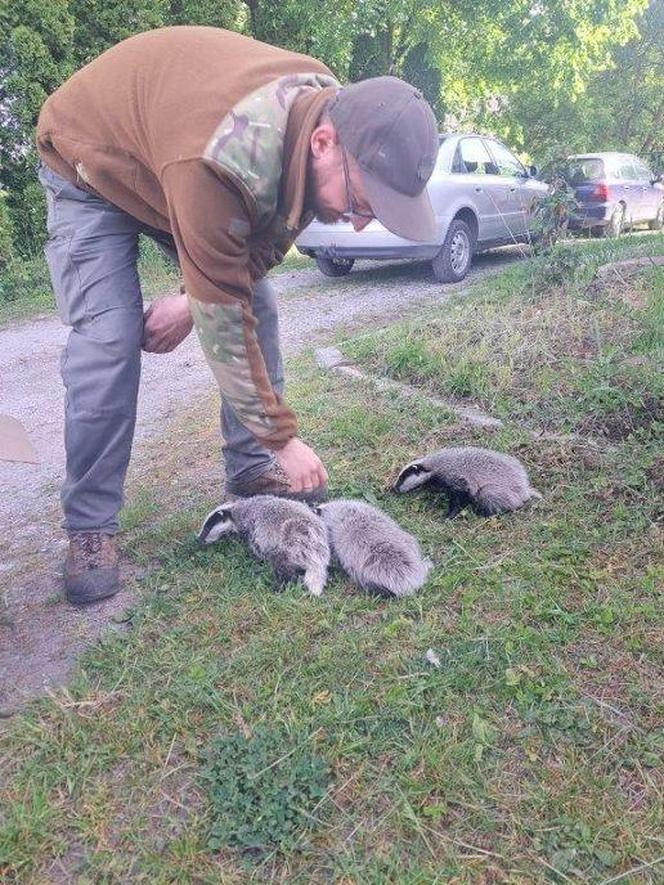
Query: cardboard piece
<point>14,442</point>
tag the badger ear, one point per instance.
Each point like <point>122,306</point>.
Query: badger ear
<point>216,524</point>
<point>411,477</point>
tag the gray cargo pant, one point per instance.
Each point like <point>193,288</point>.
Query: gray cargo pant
<point>92,251</point>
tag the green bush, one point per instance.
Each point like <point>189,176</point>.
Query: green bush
<point>24,280</point>
<point>27,207</point>
<point>552,213</point>
<point>6,233</point>
<point>560,265</point>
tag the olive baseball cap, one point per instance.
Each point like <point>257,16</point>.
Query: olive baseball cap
<point>390,130</point>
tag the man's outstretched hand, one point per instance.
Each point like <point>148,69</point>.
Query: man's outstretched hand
<point>167,322</point>
<point>302,466</point>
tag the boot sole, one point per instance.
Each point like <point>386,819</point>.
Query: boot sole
<point>92,587</point>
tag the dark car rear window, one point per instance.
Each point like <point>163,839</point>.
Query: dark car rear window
<point>581,171</point>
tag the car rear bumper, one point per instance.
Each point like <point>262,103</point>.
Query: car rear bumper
<point>341,241</point>
<point>592,215</point>
<point>376,252</point>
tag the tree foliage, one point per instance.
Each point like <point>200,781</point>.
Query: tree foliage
<point>548,76</point>
<point>35,57</point>
<point>6,233</point>
<point>628,98</point>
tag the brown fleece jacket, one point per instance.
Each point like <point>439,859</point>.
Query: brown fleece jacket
<point>133,126</point>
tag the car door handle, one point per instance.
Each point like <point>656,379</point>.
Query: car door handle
<point>512,189</point>
<point>478,190</point>
<point>626,187</point>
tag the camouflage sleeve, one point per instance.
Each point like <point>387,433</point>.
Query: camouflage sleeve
<point>211,225</point>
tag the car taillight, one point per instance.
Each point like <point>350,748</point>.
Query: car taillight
<point>600,192</point>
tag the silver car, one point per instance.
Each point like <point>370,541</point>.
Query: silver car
<point>482,196</point>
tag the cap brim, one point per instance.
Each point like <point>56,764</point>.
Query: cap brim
<point>412,218</point>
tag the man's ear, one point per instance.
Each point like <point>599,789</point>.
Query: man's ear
<point>323,139</point>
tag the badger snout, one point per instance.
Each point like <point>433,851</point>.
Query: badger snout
<point>411,477</point>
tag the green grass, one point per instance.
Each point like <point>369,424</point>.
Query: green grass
<point>25,290</point>
<point>293,260</point>
<point>158,274</point>
<point>542,345</point>
<point>533,753</point>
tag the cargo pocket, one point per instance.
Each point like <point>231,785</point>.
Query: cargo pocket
<point>65,280</point>
<point>64,276</point>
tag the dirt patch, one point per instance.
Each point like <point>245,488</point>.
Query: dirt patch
<point>73,862</point>
<point>655,474</point>
<point>175,801</point>
<point>40,634</point>
<point>633,296</point>
<point>608,674</point>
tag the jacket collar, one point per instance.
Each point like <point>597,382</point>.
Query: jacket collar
<point>302,120</point>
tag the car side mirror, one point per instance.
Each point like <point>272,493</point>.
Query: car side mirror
<point>657,179</point>
<point>533,171</point>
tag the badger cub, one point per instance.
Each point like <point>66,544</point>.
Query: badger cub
<point>375,552</point>
<point>490,482</point>
<point>285,533</point>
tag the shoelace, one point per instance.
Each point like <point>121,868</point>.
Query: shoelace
<point>91,542</point>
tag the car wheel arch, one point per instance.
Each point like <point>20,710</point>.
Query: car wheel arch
<point>468,215</point>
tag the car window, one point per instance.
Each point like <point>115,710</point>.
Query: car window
<point>642,171</point>
<point>472,158</point>
<point>582,171</point>
<point>506,162</point>
<point>626,171</point>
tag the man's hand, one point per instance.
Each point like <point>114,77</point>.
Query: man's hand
<point>167,322</point>
<point>302,466</point>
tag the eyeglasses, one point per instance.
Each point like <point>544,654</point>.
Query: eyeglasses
<point>352,209</point>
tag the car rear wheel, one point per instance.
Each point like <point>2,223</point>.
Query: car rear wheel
<point>658,222</point>
<point>453,261</point>
<point>334,267</point>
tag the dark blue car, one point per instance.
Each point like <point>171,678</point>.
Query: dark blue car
<point>614,191</point>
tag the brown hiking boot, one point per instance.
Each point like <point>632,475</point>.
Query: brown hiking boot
<point>273,482</point>
<point>91,567</point>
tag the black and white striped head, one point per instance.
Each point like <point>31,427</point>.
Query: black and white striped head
<point>413,476</point>
<point>217,524</point>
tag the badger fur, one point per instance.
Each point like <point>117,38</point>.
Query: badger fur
<point>490,482</point>
<point>286,533</point>
<point>375,552</point>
